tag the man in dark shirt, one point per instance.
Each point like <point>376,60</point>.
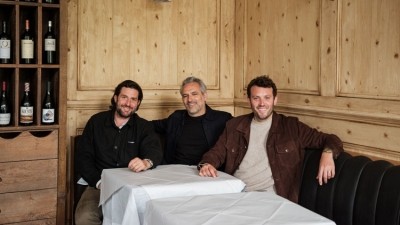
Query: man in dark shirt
<point>190,133</point>
<point>113,139</point>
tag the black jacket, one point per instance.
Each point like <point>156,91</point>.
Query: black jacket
<point>104,146</point>
<point>171,128</point>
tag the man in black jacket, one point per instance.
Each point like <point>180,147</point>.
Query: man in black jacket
<point>113,139</point>
<point>190,133</point>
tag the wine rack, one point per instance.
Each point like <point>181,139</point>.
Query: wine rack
<point>33,158</point>
<point>37,73</point>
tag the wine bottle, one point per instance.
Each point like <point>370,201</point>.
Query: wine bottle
<point>5,45</point>
<point>48,107</point>
<point>26,109</point>
<point>49,1</point>
<point>5,114</point>
<point>27,45</point>
<point>49,55</point>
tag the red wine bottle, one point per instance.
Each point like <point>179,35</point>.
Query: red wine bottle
<point>5,114</point>
<point>26,108</point>
<point>48,107</point>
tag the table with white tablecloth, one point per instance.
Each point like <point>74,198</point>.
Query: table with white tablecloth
<point>124,193</point>
<point>245,208</point>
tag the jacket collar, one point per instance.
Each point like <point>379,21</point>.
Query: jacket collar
<point>110,120</point>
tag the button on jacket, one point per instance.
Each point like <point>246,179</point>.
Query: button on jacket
<point>287,140</point>
<point>172,127</point>
<point>105,146</point>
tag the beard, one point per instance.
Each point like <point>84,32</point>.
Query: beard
<point>123,114</point>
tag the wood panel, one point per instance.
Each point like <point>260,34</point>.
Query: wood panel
<point>28,175</point>
<point>355,91</point>
<point>158,44</point>
<point>42,145</point>
<point>282,39</point>
<point>28,206</point>
<point>369,49</point>
<point>38,222</point>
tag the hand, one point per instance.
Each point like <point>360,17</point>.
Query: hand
<point>326,168</point>
<point>207,170</point>
<point>137,165</point>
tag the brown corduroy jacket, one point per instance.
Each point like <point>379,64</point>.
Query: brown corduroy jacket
<point>287,140</point>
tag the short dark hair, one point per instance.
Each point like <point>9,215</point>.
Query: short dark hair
<point>262,81</point>
<point>128,84</point>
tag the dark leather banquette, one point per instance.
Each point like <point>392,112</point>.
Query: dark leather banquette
<point>363,191</point>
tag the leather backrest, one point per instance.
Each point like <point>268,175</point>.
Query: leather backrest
<point>363,192</point>
<point>76,190</point>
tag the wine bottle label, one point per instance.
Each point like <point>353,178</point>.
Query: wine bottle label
<point>5,49</point>
<point>27,49</point>
<point>5,118</point>
<point>50,44</point>
<point>47,115</point>
<point>26,114</point>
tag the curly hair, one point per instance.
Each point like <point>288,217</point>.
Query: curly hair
<point>262,81</point>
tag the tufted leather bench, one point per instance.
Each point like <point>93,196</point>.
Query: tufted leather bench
<point>363,192</point>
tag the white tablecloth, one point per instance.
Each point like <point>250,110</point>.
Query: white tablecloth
<point>124,193</point>
<point>245,208</point>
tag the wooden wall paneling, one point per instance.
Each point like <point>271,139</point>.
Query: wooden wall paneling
<point>28,175</point>
<point>358,136</point>
<point>328,50</point>
<point>352,109</point>
<point>43,145</point>
<point>224,75</point>
<point>30,205</point>
<point>369,49</point>
<point>169,41</point>
<point>155,45</point>
<point>283,40</point>
<point>95,45</point>
<point>122,49</point>
<point>72,53</point>
<point>240,50</point>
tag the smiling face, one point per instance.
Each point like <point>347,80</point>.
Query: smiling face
<point>262,102</point>
<point>193,99</point>
<point>126,102</point>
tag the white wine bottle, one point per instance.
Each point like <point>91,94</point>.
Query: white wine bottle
<point>49,56</point>
<point>27,45</point>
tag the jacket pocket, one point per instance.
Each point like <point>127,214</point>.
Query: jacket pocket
<point>287,154</point>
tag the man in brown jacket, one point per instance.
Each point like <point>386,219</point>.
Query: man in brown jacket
<point>266,149</point>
